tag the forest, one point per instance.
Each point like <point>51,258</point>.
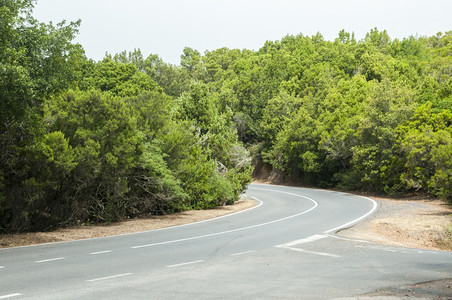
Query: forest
<point>85,141</point>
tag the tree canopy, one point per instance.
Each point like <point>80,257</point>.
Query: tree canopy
<point>84,141</point>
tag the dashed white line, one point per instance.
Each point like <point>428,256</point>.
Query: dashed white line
<point>100,252</point>
<point>1,267</point>
<point>184,264</point>
<point>109,277</point>
<point>10,296</point>
<point>242,253</point>
<point>49,260</point>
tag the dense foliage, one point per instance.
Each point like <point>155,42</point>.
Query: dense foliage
<point>85,141</point>
<point>372,115</point>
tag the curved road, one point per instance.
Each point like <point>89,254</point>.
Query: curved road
<point>283,248</point>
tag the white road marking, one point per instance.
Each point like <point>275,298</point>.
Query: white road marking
<point>184,264</point>
<point>242,253</point>
<point>221,217</point>
<point>109,277</point>
<point>1,267</point>
<point>238,229</point>
<point>349,240</point>
<point>10,296</point>
<point>159,229</point>
<point>260,203</point>
<point>309,239</point>
<point>374,207</point>
<point>311,252</point>
<point>100,252</point>
<point>48,260</point>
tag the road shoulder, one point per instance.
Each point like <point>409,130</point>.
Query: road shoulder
<point>416,223</point>
<point>123,227</point>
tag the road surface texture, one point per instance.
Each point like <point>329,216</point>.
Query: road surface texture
<point>283,248</point>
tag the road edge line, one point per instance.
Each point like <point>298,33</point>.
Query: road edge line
<point>353,222</point>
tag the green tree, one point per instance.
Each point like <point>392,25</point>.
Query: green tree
<point>387,106</point>
<point>173,80</point>
<point>426,143</point>
<point>121,170</point>
<point>278,114</point>
<point>296,150</point>
<point>121,79</point>
<point>37,60</point>
<point>134,57</point>
<point>217,140</point>
<point>191,61</point>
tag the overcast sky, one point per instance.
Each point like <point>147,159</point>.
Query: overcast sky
<point>165,27</point>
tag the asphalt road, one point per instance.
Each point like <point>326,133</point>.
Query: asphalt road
<point>284,248</point>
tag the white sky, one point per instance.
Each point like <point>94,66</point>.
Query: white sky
<point>165,27</point>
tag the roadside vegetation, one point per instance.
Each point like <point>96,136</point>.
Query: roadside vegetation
<point>87,142</point>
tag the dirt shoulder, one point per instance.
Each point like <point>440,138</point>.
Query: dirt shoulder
<point>416,222</point>
<point>123,227</point>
